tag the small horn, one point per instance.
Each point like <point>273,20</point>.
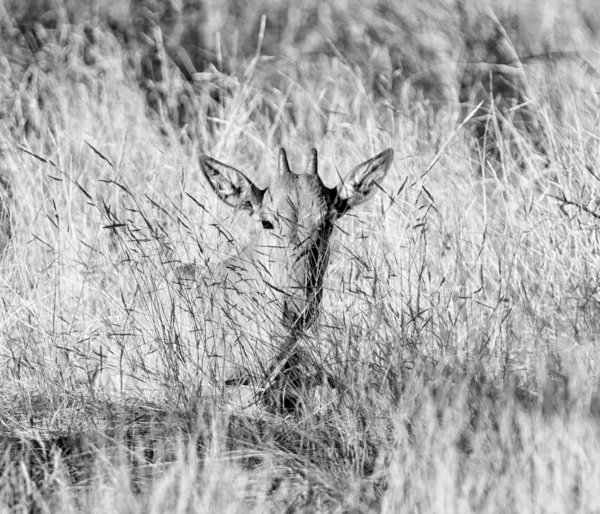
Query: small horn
<point>312,163</point>
<point>284,166</point>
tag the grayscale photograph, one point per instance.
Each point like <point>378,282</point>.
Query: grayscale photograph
<point>313,256</point>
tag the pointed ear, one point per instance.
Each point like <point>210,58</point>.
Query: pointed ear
<point>362,182</point>
<point>231,185</point>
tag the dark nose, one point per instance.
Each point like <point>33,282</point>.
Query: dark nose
<point>295,313</point>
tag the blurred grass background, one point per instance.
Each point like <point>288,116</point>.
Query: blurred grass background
<point>460,316</point>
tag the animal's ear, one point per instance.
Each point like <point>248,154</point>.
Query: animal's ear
<point>362,182</point>
<point>231,185</point>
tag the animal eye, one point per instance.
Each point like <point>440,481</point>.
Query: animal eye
<point>267,225</point>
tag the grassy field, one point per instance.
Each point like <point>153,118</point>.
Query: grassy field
<point>460,319</point>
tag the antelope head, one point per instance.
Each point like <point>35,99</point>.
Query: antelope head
<point>295,216</point>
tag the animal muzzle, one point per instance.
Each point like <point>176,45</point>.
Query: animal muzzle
<point>299,315</point>
<point>304,292</point>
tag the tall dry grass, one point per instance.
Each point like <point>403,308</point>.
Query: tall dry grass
<point>458,326</point>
